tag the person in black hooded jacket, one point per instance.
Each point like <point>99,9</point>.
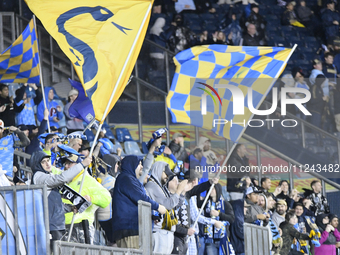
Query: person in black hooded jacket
<point>45,173</point>
<point>127,192</point>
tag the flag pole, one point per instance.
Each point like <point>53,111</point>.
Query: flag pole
<point>234,145</point>
<point>108,106</point>
<point>40,76</point>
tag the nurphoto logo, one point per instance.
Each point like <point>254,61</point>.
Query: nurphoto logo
<point>238,104</point>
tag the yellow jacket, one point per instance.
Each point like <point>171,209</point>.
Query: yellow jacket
<point>100,197</point>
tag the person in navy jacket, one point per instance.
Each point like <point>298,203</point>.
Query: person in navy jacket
<point>127,191</point>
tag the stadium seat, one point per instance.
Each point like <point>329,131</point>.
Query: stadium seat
<point>302,62</point>
<point>211,28</point>
<point>123,135</point>
<point>276,10</point>
<point>132,148</point>
<point>331,149</point>
<point>107,128</point>
<point>196,28</point>
<point>191,18</point>
<point>208,16</point>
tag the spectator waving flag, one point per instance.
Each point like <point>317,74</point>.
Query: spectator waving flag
<point>102,38</point>
<point>82,107</point>
<point>20,62</point>
<point>212,83</point>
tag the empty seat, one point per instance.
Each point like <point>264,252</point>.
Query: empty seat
<point>331,149</point>
<point>208,16</point>
<point>132,148</point>
<point>195,28</point>
<point>123,134</point>
<point>302,62</point>
<point>291,136</point>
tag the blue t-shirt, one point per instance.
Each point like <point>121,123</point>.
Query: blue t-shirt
<point>6,153</point>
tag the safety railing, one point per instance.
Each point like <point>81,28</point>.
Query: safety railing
<point>23,160</point>
<point>256,240</point>
<point>24,220</point>
<point>145,239</point>
<point>308,135</point>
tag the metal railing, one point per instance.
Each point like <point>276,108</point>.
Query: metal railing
<point>292,162</point>
<point>256,240</point>
<point>145,239</point>
<point>24,220</point>
<point>305,125</point>
<point>23,158</point>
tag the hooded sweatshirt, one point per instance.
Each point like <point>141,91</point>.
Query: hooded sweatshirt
<point>52,107</point>
<point>52,181</point>
<point>160,193</point>
<point>156,190</point>
<point>127,191</point>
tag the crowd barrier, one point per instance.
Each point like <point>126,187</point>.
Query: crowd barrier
<point>24,220</point>
<point>145,239</point>
<point>256,240</point>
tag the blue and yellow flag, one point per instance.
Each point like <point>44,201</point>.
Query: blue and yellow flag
<point>20,62</point>
<point>210,81</point>
<point>102,38</point>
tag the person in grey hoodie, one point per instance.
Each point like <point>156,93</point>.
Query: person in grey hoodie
<point>160,173</point>
<point>254,211</point>
<point>45,173</point>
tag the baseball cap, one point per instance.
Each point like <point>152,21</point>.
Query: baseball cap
<point>252,190</point>
<point>2,125</point>
<point>73,92</point>
<point>176,135</point>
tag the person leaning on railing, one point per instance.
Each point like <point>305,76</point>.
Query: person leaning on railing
<point>45,173</point>
<point>127,192</point>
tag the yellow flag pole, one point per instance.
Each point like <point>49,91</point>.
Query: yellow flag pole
<point>234,145</point>
<point>109,103</point>
<point>40,76</point>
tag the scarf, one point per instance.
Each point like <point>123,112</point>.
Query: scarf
<point>209,231</point>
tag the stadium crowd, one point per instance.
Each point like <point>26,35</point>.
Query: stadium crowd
<point>170,177</point>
